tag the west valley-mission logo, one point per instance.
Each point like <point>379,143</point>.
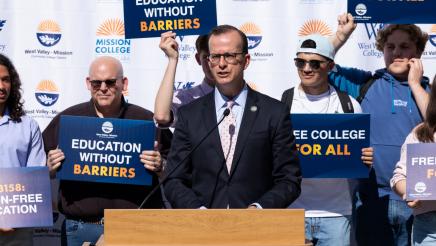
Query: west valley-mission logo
<point>49,33</point>
<point>47,93</point>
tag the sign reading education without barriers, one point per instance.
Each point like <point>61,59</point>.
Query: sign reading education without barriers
<point>105,150</point>
<point>393,11</point>
<point>150,18</point>
<point>421,171</point>
<point>25,197</point>
<point>330,145</point>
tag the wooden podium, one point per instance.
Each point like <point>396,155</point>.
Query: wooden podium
<point>254,227</point>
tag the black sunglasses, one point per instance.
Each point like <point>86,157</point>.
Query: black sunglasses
<point>314,64</point>
<point>97,83</point>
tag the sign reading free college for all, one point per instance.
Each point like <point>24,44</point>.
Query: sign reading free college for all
<point>150,18</point>
<point>105,150</point>
<point>330,145</point>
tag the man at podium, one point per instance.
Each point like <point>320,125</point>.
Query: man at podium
<point>248,157</point>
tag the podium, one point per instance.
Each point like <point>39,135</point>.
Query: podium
<point>224,227</point>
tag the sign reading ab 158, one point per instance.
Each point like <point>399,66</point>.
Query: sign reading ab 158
<point>150,18</point>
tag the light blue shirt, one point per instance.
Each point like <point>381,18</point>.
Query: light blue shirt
<point>237,109</point>
<point>20,143</point>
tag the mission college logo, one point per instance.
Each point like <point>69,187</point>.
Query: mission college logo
<point>253,34</point>
<point>47,93</point>
<point>315,27</point>
<point>49,33</point>
<point>110,39</point>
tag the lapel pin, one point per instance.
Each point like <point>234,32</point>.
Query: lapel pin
<point>253,108</point>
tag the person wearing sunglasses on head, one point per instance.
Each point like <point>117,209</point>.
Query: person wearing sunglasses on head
<point>83,203</point>
<point>396,96</point>
<point>327,202</point>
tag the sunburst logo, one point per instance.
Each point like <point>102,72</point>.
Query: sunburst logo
<point>253,33</point>
<point>111,27</point>
<point>47,93</point>
<point>49,33</point>
<point>432,35</point>
<point>315,27</point>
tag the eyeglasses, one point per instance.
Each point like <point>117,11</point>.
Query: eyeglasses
<point>96,84</point>
<point>314,64</point>
<point>228,57</point>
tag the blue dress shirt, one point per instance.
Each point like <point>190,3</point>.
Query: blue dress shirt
<point>20,143</point>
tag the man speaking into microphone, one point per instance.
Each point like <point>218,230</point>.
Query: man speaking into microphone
<point>250,159</point>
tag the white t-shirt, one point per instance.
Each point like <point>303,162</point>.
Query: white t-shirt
<point>323,197</point>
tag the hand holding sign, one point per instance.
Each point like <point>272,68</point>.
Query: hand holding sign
<point>169,45</point>
<point>367,156</point>
<point>54,161</point>
<point>152,159</point>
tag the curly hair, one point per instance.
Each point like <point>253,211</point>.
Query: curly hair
<point>416,35</point>
<point>13,103</point>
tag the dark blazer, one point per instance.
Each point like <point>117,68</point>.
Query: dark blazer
<point>265,166</point>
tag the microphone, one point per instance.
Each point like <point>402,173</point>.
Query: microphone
<point>164,179</point>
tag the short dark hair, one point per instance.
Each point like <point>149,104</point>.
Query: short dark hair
<point>201,44</point>
<point>13,103</point>
<point>228,28</point>
<point>417,36</point>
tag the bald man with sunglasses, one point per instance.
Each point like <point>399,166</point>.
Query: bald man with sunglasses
<point>83,203</point>
<point>327,202</point>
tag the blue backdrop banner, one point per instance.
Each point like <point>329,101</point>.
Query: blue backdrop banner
<point>25,197</point>
<point>330,145</point>
<point>421,171</point>
<point>150,18</point>
<point>105,150</point>
<point>393,12</point>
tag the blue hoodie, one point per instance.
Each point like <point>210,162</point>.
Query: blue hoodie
<point>394,114</point>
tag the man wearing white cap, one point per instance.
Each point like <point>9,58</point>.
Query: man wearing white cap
<point>328,202</point>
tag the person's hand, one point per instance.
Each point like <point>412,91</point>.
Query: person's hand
<point>152,160</point>
<point>414,203</point>
<point>346,26</point>
<point>6,230</point>
<point>54,160</point>
<point>416,72</point>
<point>169,45</point>
<point>367,156</point>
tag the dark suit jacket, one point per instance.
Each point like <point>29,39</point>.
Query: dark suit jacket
<point>265,166</point>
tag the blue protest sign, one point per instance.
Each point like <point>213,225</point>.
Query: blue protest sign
<point>393,12</point>
<point>25,197</point>
<point>421,171</point>
<point>150,18</point>
<point>330,145</point>
<point>105,150</point>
